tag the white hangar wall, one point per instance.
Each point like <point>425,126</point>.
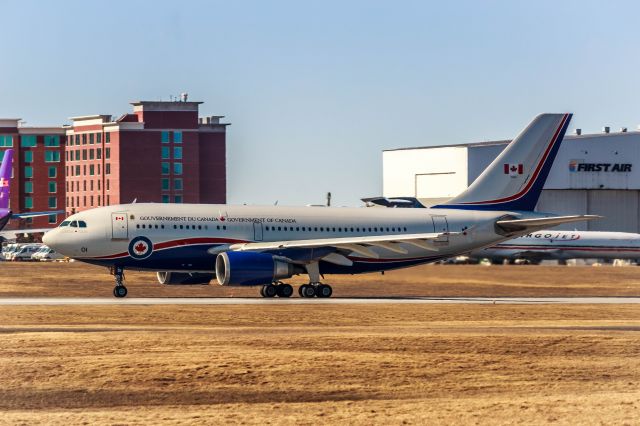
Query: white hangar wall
<point>592,174</point>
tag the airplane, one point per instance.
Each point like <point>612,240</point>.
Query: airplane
<point>5,212</point>
<point>564,245</point>
<point>262,245</point>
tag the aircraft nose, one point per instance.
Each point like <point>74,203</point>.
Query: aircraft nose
<point>48,239</point>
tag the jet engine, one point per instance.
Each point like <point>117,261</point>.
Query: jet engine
<point>247,268</point>
<point>183,278</point>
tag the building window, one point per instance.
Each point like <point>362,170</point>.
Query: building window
<point>165,198</point>
<point>28,202</point>
<point>77,170</point>
<point>28,141</point>
<point>177,184</point>
<point>165,184</point>
<point>84,154</point>
<point>28,187</point>
<point>28,156</point>
<point>28,171</point>
<point>91,154</point>
<point>99,153</point>
<point>107,184</point>
<point>52,188</point>
<point>77,139</point>
<point>166,153</point>
<point>177,198</point>
<point>165,168</point>
<point>177,168</point>
<point>84,139</point>
<point>107,138</point>
<point>6,141</point>
<point>107,153</point>
<point>52,218</point>
<point>177,153</point>
<point>52,140</point>
<point>91,139</point>
<point>52,156</point>
<point>177,137</point>
<point>107,169</point>
<point>53,202</point>
<point>77,155</point>
<point>91,170</point>
<point>99,135</point>
<point>164,137</point>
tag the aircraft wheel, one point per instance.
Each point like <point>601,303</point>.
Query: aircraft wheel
<point>269,290</point>
<point>120,291</point>
<point>307,290</point>
<point>284,290</point>
<point>324,290</point>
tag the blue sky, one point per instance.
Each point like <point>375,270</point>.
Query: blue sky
<point>316,90</point>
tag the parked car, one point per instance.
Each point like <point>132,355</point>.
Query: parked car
<point>45,254</point>
<point>24,252</point>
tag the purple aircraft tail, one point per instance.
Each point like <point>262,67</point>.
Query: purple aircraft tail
<point>5,178</point>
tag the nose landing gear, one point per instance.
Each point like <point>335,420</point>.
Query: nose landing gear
<point>119,290</point>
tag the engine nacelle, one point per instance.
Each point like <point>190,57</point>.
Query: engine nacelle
<point>247,268</point>
<point>183,278</point>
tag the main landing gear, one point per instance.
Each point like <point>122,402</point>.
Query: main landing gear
<point>315,290</point>
<point>119,290</point>
<point>277,288</point>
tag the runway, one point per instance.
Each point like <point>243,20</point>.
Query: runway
<point>22,301</point>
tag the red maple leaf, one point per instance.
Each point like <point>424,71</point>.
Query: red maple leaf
<point>514,168</point>
<point>140,247</point>
<point>222,219</point>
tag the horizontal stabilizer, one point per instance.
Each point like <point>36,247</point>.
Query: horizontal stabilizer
<point>519,225</point>
<point>35,214</point>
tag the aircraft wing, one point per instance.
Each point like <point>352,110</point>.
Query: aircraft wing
<point>360,245</point>
<point>12,233</point>
<point>34,214</point>
<point>519,225</point>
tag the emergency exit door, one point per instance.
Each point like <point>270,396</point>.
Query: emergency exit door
<point>441,226</point>
<point>119,226</point>
<point>257,231</point>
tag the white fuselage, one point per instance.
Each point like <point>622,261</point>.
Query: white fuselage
<point>561,245</point>
<point>186,236</point>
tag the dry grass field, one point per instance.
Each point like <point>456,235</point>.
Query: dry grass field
<point>337,364</point>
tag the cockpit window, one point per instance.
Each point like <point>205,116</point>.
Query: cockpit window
<point>65,223</point>
<point>82,224</point>
<point>74,224</point>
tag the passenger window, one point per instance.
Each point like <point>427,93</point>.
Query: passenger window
<point>224,227</point>
<point>175,226</point>
<point>181,226</point>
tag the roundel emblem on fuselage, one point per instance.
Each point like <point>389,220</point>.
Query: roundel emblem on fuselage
<point>140,248</point>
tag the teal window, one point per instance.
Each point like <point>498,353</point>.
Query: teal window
<point>52,172</point>
<point>28,141</point>
<point>177,184</point>
<point>53,202</point>
<point>165,168</point>
<point>177,137</point>
<point>28,156</point>
<point>53,187</point>
<point>28,202</point>
<point>164,137</point>
<point>28,171</point>
<point>52,140</point>
<point>52,156</point>
<point>165,198</point>
<point>53,218</point>
<point>92,138</point>
<point>6,140</point>
<point>1,155</point>
<point>177,198</point>
<point>165,184</point>
<point>28,187</point>
<point>165,153</point>
<point>177,153</point>
<point>177,168</point>
<point>107,153</point>
<point>107,138</point>
<point>77,155</point>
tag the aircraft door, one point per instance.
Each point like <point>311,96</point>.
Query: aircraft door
<point>119,226</point>
<point>257,231</point>
<point>441,225</point>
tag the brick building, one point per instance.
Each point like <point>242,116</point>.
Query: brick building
<point>38,182</point>
<point>161,152</point>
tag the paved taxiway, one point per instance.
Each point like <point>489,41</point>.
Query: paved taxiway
<point>19,301</point>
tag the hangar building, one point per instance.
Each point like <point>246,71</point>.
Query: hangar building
<point>592,174</point>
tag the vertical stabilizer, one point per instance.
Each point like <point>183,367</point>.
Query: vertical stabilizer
<point>5,178</point>
<point>514,180</point>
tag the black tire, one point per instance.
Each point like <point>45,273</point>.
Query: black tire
<point>307,290</point>
<point>284,290</point>
<point>269,290</point>
<point>262,291</point>
<point>324,290</point>
<point>120,291</point>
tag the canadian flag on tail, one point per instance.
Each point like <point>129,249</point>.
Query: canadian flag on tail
<point>513,170</point>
